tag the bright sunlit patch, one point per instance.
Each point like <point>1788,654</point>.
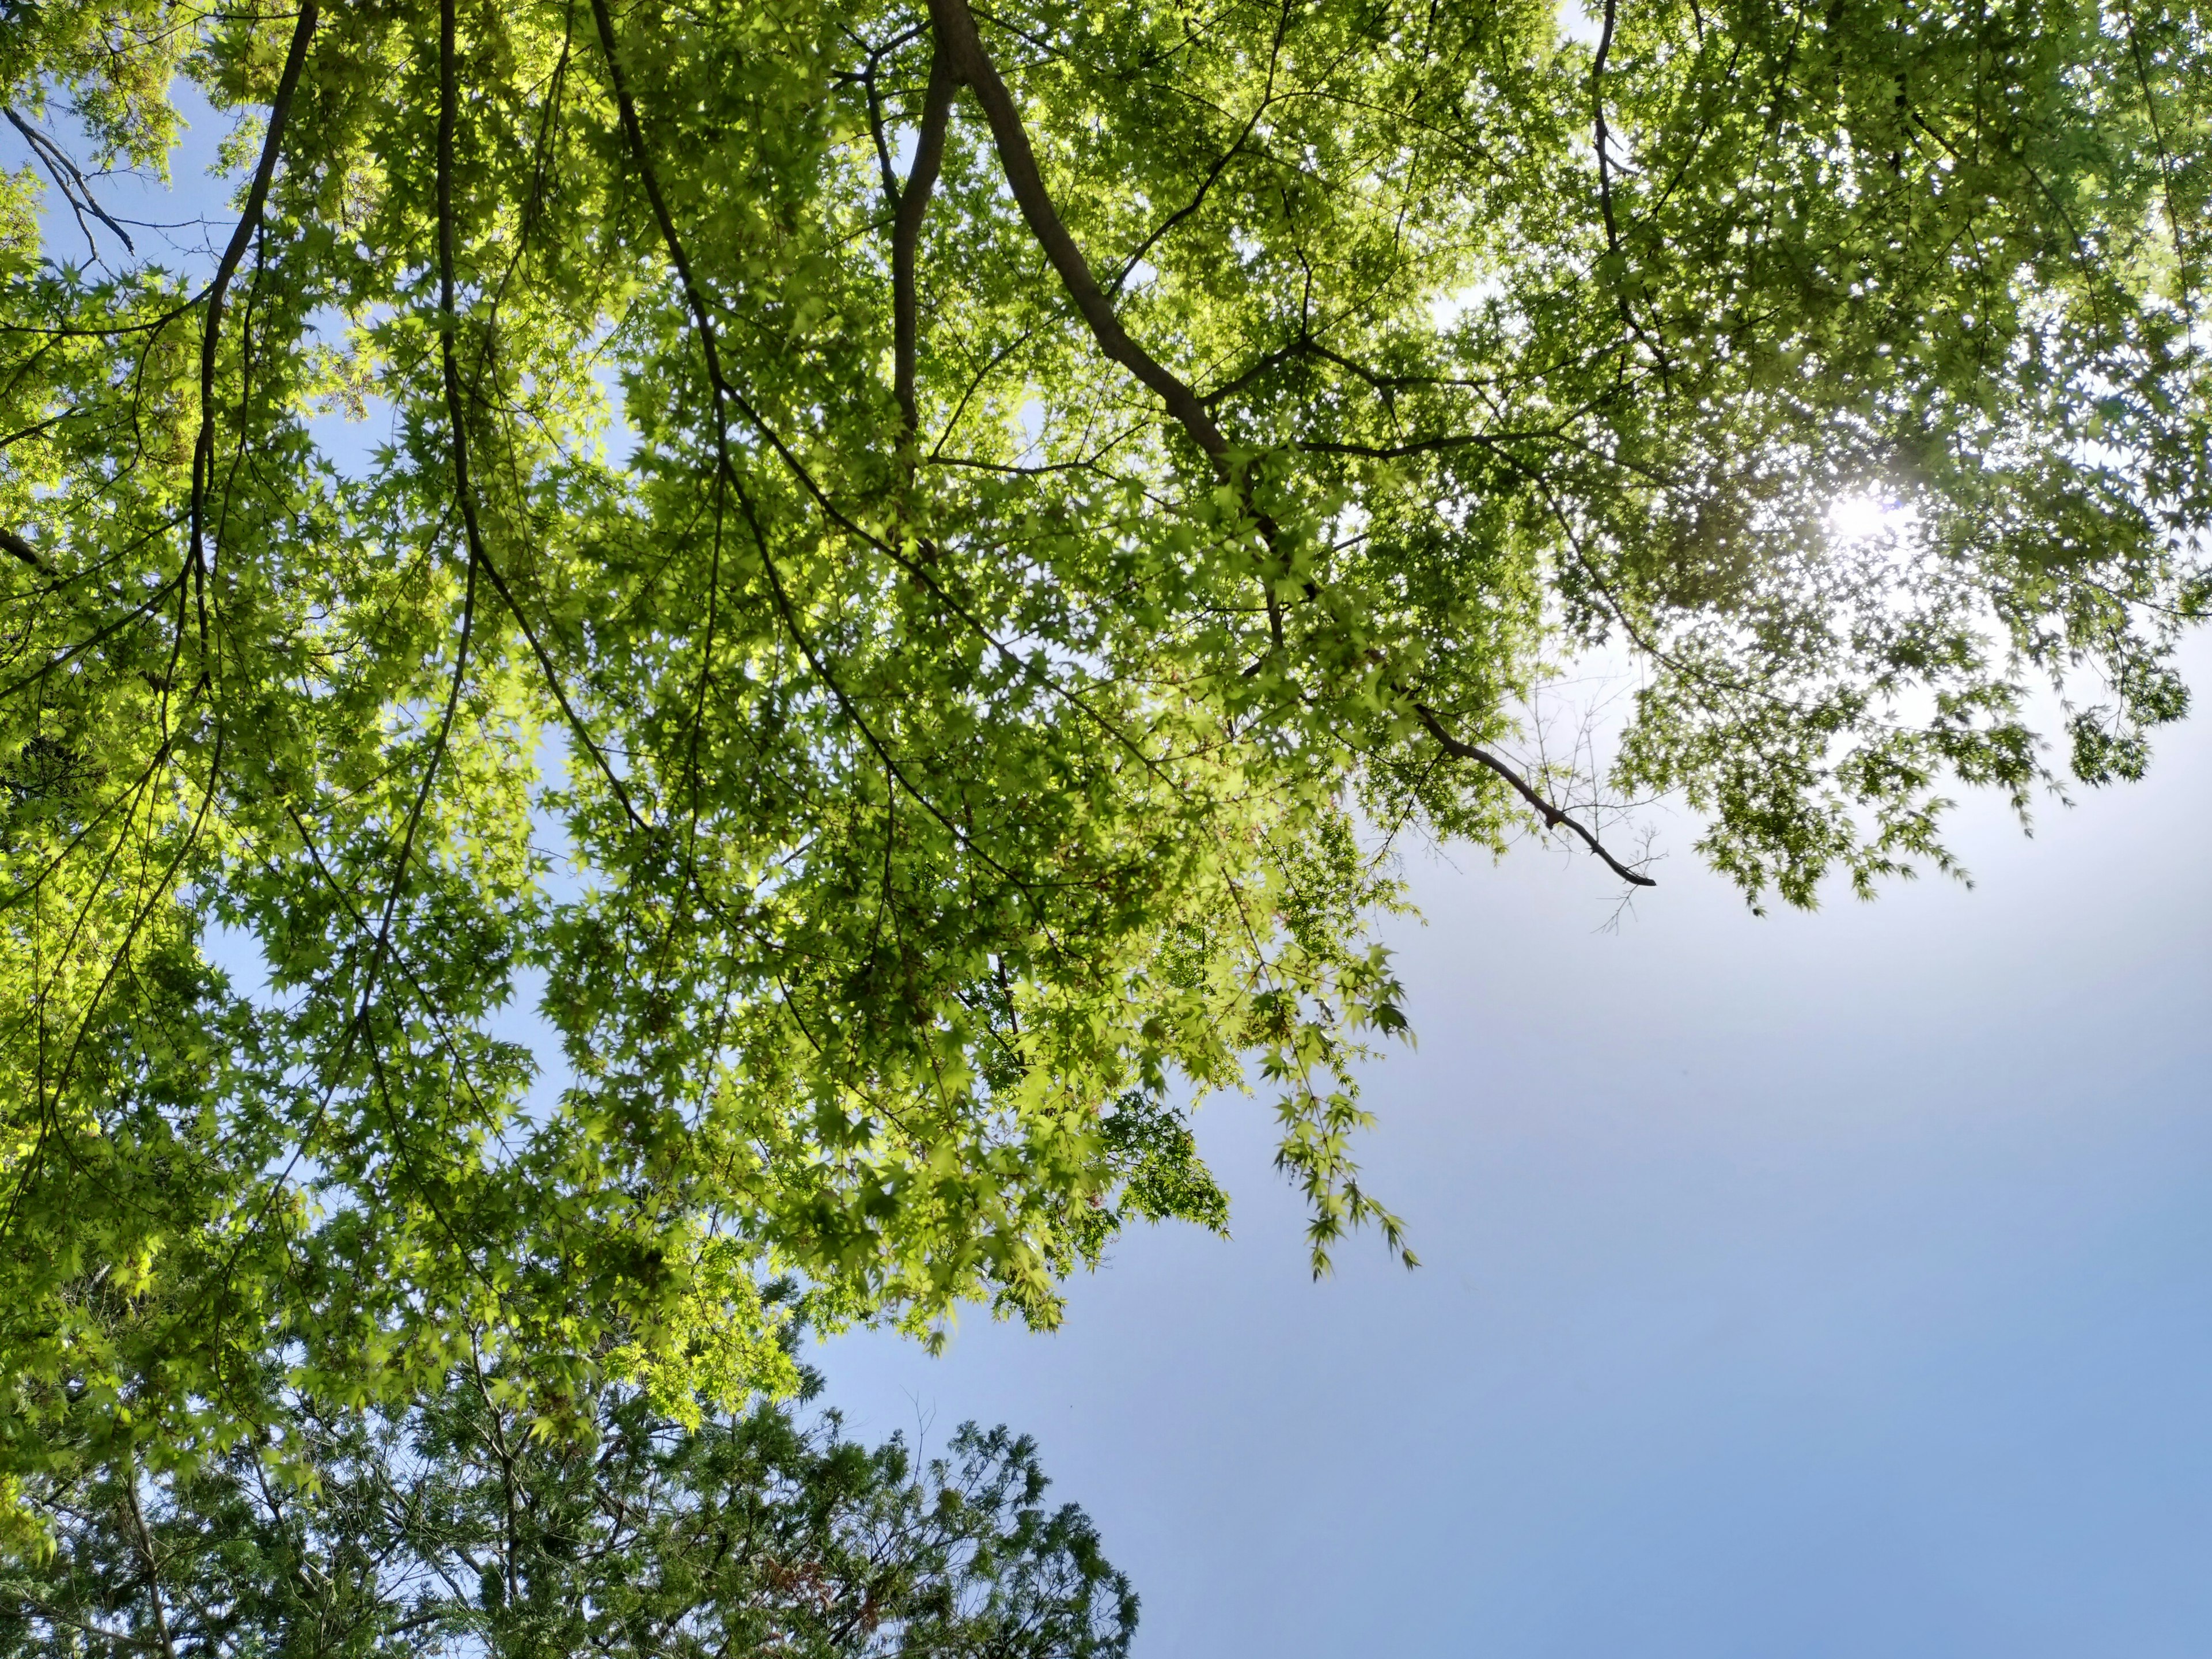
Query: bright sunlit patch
<point>1445,310</point>
<point>1868,517</point>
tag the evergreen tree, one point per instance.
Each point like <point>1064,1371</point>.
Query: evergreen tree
<point>461,1528</point>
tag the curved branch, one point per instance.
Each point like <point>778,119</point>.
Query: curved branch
<point>249,221</point>
<point>725,392</point>
<point>1438,445</point>
<point>380,947</point>
<point>906,233</point>
<point>1306,346</point>
<point>975,383</point>
<point>1198,201</point>
<point>958,38</point>
<point>1602,138</point>
<point>867,80</point>
<point>146,1557</point>
<point>1553,817</point>
<point>463,484</point>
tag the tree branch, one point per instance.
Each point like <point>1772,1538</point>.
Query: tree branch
<point>1197,201</point>
<point>145,1543</point>
<point>1553,817</point>
<point>913,203</point>
<point>720,387</point>
<point>1603,138</point>
<point>1411,446</point>
<point>1306,346</point>
<point>77,194</point>
<point>16,548</point>
<point>867,80</point>
<point>464,486</point>
<point>956,37</point>
<point>725,394</point>
<point>249,221</point>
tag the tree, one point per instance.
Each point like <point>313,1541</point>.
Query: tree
<point>459,1527</point>
<point>909,565</point>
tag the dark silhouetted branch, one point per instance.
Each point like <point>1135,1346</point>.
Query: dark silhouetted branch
<point>75,187</point>
<point>16,548</point>
<point>956,37</point>
<point>249,221</point>
<point>905,233</point>
<point>1553,817</point>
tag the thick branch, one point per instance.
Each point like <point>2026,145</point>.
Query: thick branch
<point>249,221</point>
<point>1603,138</point>
<point>956,37</point>
<point>1553,817</point>
<point>16,548</point>
<point>905,233</point>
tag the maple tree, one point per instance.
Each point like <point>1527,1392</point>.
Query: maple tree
<point>900,568</point>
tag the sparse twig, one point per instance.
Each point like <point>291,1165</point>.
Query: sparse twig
<point>1553,817</point>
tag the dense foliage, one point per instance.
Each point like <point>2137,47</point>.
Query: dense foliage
<point>898,570</point>
<point>454,1529</point>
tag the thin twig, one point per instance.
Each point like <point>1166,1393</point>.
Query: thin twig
<point>1553,817</point>
<point>80,198</point>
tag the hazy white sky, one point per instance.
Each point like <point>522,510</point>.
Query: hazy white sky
<point>1817,1285</point>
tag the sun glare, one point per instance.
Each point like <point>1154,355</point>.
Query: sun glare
<point>1867,517</point>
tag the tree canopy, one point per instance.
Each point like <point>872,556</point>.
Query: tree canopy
<point>449,1529</point>
<point>899,570</point>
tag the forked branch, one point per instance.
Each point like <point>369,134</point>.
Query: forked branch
<point>69,178</point>
<point>1553,817</point>
<point>957,40</point>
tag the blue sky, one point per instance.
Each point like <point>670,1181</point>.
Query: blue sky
<point>1815,1286</point>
